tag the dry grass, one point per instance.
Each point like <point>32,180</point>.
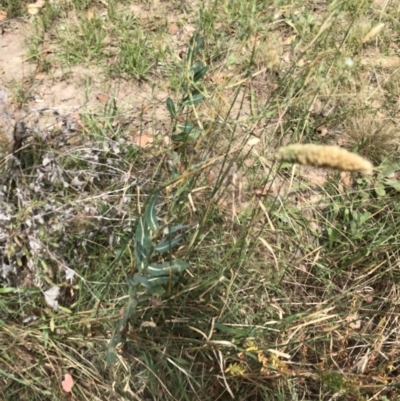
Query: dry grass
<point>292,290</point>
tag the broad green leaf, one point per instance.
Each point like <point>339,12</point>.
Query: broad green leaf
<point>166,268</point>
<point>4,373</point>
<point>171,108</point>
<point>151,214</point>
<point>186,127</point>
<point>166,244</point>
<point>130,308</point>
<point>180,137</point>
<point>137,278</point>
<point>111,357</point>
<point>380,190</point>
<point>395,184</point>
<point>143,243</point>
<point>197,66</point>
<point>200,74</point>
<point>285,165</point>
<point>171,230</point>
<point>194,46</point>
<point>199,45</point>
<point>364,217</point>
<point>390,170</point>
<point>170,240</point>
<point>157,281</point>
<point>7,290</point>
<point>195,98</point>
<point>157,290</point>
<point>112,345</point>
<point>194,134</point>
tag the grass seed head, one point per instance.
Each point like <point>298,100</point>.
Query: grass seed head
<point>324,156</point>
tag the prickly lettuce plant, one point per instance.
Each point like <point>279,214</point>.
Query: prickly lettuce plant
<point>151,245</point>
<point>191,94</point>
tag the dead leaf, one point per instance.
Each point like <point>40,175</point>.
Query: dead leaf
<point>69,274</point>
<point>322,130</point>
<point>148,324</point>
<point>289,40</point>
<point>102,98</point>
<point>173,29</point>
<point>315,178</point>
<point>143,140</point>
<point>46,49</point>
<point>143,107</point>
<point>106,41</point>
<point>368,300</point>
<point>76,182</point>
<point>346,178</point>
<point>40,76</point>
<point>302,268</point>
<point>221,77</point>
<point>51,296</point>
<point>362,363</point>
<point>222,202</point>
<point>90,14</point>
<point>3,15</point>
<point>67,383</point>
<point>381,3</point>
<point>34,8</point>
<point>382,62</point>
<point>261,192</point>
<point>253,141</point>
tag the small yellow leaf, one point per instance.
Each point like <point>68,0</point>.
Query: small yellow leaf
<point>90,14</point>
<point>34,8</point>
<point>3,15</point>
<point>289,40</point>
<point>235,369</point>
<point>52,325</point>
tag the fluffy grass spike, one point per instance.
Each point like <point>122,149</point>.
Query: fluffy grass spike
<point>324,156</point>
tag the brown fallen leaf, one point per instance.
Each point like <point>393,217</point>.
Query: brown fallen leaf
<point>382,62</point>
<point>144,140</point>
<point>40,75</point>
<point>262,192</point>
<point>221,77</point>
<point>90,14</point>
<point>302,268</point>
<point>346,179</point>
<point>3,15</point>
<point>173,29</point>
<point>102,98</point>
<point>315,178</point>
<point>34,8</point>
<point>67,383</point>
<point>322,130</point>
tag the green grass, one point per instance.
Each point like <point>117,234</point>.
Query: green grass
<point>292,287</point>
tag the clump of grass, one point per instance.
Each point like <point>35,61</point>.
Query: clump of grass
<point>332,157</point>
<point>375,137</point>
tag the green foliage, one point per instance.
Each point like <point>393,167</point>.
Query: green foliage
<point>151,274</point>
<point>191,94</point>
